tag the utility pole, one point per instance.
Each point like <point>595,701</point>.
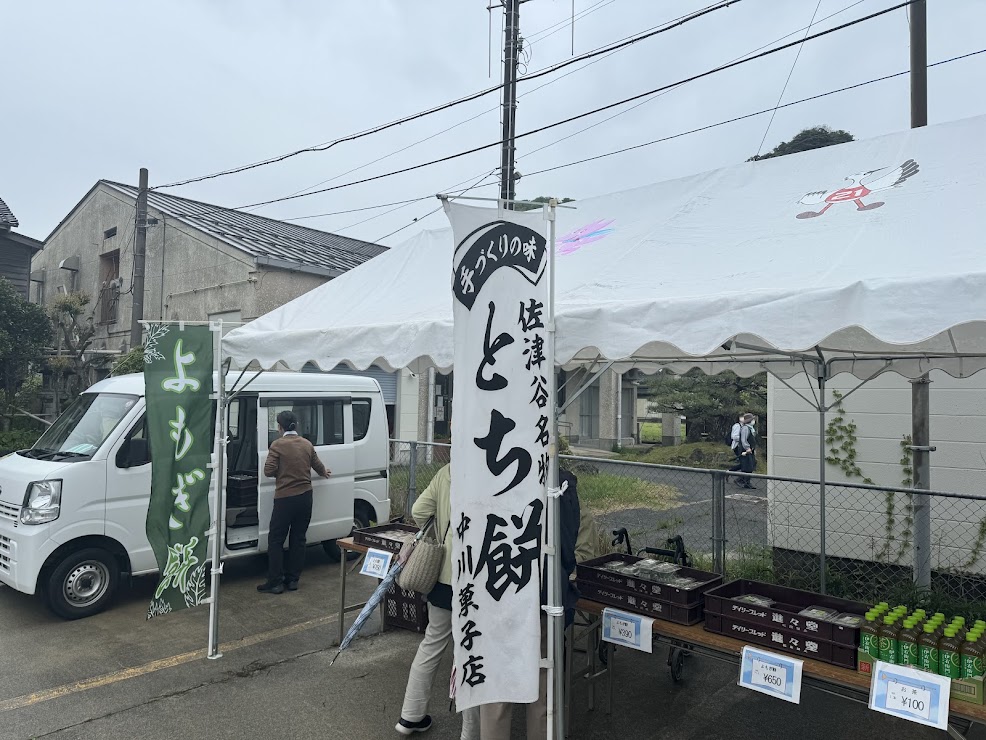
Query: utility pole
<point>510,59</point>
<point>140,247</point>
<point>921,387</point>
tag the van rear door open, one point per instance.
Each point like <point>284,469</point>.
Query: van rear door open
<point>325,421</point>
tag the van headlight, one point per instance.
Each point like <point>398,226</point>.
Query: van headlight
<point>42,502</point>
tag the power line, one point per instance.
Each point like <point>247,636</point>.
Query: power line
<point>657,95</point>
<point>749,115</point>
<point>585,114</point>
<point>404,204</point>
<point>788,80</point>
<point>714,125</point>
<point>472,96</point>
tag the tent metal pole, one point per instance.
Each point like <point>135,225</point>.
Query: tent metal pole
<point>821,476</point>
<point>219,513</point>
<point>556,615</point>
<point>585,386</point>
<point>921,450</point>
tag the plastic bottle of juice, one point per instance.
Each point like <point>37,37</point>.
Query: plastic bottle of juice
<point>869,636</point>
<point>908,642</point>
<point>889,647</point>
<point>972,656</point>
<point>949,657</point>
<point>928,648</point>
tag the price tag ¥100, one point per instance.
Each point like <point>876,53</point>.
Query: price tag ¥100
<point>771,674</point>
<point>910,694</point>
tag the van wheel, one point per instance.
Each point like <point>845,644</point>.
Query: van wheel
<point>361,520</point>
<point>82,584</point>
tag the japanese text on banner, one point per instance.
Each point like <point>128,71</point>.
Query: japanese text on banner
<point>502,422</point>
<point>178,378</point>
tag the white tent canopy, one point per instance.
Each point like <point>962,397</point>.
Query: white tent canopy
<point>715,271</point>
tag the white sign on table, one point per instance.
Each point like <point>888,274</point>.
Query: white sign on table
<point>630,630</point>
<point>772,674</point>
<point>376,563</point>
<point>910,694</point>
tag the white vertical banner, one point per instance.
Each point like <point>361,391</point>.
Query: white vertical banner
<point>501,418</point>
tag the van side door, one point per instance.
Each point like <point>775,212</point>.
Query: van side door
<point>321,420</point>
<point>128,492</point>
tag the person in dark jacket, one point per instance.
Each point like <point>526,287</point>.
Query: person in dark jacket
<point>495,718</point>
<point>747,451</point>
<point>290,461</point>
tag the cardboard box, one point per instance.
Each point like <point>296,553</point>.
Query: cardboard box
<point>969,690</point>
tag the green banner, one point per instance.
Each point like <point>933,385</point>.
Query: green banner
<point>178,383</point>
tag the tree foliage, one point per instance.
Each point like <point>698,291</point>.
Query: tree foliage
<point>132,362</point>
<point>811,138</point>
<point>530,205</point>
<point>711,403</point>
<point>73,365</point>
<point>24,333</point>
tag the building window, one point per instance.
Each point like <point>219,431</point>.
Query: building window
<point>109,286</point>
<point>109,233</point>
<point>589,412</point>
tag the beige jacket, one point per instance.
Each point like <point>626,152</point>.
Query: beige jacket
<point>436,500</point>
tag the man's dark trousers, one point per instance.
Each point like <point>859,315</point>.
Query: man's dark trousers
<point>292,513</point>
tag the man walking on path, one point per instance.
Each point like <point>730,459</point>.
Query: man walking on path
<point>734,444</point>
<point>290,461</point>
<point>747,451</point>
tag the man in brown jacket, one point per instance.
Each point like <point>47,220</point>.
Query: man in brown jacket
<point>290,460</point>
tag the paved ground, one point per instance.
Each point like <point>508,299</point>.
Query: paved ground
<point>117,677</point>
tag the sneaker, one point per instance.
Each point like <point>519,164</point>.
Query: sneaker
<point>406,727</point>
<point>291,585</point>
<point>271,588</point>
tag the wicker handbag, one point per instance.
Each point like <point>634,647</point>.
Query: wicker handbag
<point>423,558</point>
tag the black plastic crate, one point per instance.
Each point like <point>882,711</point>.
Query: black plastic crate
<point>407,610</point>
<point>371,536</point>
<point>783,613</point>
<point>590,571</point>
<point>782,640</point>
<point>641,603</point>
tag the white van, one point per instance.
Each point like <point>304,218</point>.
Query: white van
<point>73,507</point>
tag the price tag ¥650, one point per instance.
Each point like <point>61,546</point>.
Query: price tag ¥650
<point>910,694</point>
<point>771,674</point>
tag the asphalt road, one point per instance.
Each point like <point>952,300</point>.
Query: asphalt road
<point>118,677</point>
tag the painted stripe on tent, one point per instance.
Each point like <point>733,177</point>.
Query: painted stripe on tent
<point>154,666</point>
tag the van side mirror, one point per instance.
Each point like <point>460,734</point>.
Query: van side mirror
<point>134,453</point>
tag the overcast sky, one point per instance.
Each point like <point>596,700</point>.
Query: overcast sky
<point>188,87</point>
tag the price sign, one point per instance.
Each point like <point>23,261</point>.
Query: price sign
<point>771,674</point>
<point>630,630</point>
<point>910,694</point>
<point>376,563</point>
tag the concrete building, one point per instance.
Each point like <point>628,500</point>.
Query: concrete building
<point>202,262</point>
<point>592,420</point>
<point>16,251</point>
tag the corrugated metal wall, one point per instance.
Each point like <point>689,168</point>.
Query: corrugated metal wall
<point>387,381</point>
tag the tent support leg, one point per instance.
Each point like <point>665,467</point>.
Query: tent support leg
<point>821,477</point>
<point>219,512</point>
<point>921,449</point>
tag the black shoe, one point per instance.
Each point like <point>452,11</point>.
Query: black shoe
<point>406,727</point>
<point>291,585</point>
<point>751,487</point>
<point>271,588</point>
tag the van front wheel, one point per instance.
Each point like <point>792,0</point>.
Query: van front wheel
<point>82,584</point>
<point>361,520</point>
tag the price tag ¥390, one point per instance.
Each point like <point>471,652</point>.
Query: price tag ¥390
<point>910,694</point>
<point>771,674</point>
<point>376,563</point>
<point>630,630</point>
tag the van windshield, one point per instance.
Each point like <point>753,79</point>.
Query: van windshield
<point>83,427</point>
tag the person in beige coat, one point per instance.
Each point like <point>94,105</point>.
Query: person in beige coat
<point>435,501</point>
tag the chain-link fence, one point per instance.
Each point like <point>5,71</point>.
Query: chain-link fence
<point>771,532</point>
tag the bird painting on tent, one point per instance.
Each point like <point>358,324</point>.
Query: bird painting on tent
<point>860,186</point>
